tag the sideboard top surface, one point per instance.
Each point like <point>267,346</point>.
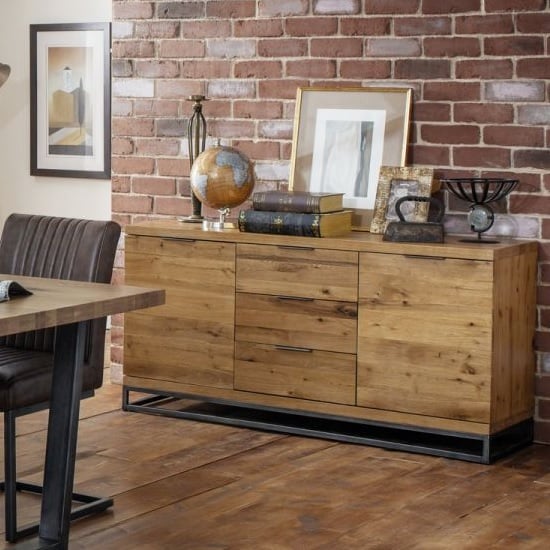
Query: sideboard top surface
<point>358,241</point>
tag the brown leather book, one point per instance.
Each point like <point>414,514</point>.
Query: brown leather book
<point>297,201</point>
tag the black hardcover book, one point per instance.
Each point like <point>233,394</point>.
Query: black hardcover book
<point>297,201</point>
<point>331,224</point>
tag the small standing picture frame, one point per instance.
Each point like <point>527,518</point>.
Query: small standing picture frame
<point>396,182</point>
<point>70,100</point>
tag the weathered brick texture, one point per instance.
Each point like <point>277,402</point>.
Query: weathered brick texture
<point>450,6</point>
<point>336,7</point>
<point>231,10</point>
<point>457,133</point>
<point>479,70</point>
<point>484,24</point>
<point>311,26</point>
<point>484,69</point>
<point>392,6</point>
<point>282,8</point>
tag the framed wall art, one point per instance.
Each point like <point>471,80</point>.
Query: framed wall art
<point>396,182</point>
<point>341,138</point>
<point>70,100</point>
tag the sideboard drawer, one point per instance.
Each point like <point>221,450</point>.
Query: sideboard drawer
<point>306,323</point>
<point>298,271</point>
<point>304,374</point>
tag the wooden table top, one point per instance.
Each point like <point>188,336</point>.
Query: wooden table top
<point>58,302</point>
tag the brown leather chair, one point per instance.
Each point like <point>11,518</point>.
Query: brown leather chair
<point>60,248</point>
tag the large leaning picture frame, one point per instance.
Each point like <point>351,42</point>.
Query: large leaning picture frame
<point>341,138</point>
<point>70,100</point>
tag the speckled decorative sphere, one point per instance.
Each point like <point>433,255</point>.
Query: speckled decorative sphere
<point>222,177</point>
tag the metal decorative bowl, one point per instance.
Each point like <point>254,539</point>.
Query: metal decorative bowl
<point>479,192</point>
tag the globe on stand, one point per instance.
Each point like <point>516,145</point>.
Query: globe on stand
<point>222,177</point>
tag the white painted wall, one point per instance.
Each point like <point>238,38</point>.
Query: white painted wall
<point>19,191</point>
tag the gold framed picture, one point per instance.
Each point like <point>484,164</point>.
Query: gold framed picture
<point>341,138</point>
<point>396,182</point>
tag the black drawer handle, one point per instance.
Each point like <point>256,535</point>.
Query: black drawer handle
<point>295,298</point>
<point>421,257</point>
<point>293,348</point>
<point>179,239</point>
<point>289,247</point>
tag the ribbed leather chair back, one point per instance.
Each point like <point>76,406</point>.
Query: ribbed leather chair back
<point>60,248</point>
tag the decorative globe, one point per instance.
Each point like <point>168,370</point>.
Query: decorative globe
<point>222,177</point>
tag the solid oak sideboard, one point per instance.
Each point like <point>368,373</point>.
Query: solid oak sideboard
<point>409,346</point>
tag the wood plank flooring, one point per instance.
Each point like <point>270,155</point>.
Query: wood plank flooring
<point>181,484</point>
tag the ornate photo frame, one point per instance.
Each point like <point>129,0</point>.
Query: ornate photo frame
<point>341,138</point>
<point>71,100</point>
<point>396,182</point>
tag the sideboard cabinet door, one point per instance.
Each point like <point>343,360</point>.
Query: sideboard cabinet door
<point>425,335</point>
<point>190,339</point>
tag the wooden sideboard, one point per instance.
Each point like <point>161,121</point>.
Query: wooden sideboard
<point>420,347</point>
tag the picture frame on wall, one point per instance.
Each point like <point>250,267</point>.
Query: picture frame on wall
<point>396,182</point>
<point>341,138</point>
<point>71,100</point>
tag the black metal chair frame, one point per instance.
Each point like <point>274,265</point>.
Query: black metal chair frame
<point>10,485</point>
<point>25,235</point>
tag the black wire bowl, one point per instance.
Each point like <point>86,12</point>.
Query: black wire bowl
<point>480,190</point>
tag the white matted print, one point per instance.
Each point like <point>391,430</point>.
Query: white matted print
<point>347,154</point>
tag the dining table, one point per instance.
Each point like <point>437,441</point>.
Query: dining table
<point>66,305</point>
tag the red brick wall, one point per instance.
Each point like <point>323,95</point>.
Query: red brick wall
<point>480,71</point>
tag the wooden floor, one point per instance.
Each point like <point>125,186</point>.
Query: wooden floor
<point>180,484</point>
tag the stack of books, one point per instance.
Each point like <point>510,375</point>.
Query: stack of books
<point>300,213</point>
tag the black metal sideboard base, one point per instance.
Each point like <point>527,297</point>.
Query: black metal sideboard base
<point>470,447</point>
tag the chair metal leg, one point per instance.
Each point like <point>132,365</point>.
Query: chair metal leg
<point>90,505</point>
<point>10,477</point>
<point>10,486</point>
